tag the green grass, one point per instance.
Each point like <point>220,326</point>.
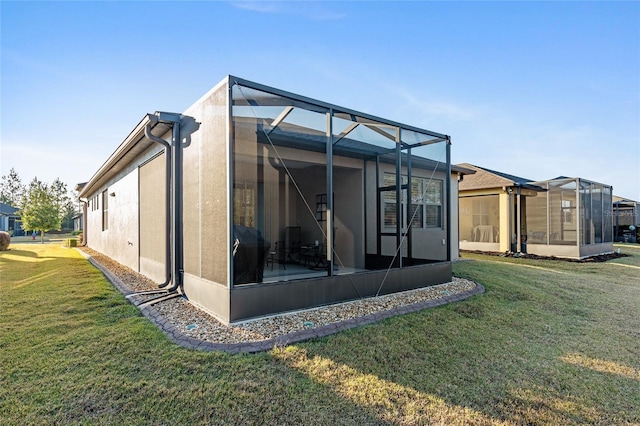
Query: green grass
<point>550,342</point>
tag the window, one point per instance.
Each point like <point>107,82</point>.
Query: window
<point>568,212</point>
<point>426,202</point>
<point>431,200</point>
<point>244,204</point>
<point>389,197</point>
<point>321,207</point>
<point>105,210</point>
<point>93,203</point>
<point>479,218</point>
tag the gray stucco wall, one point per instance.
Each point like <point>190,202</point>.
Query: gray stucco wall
<point>153,219</point>
<point>120,241</point>
<point>206,218</point>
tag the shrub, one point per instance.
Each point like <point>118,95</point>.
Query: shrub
<point>5,240</point>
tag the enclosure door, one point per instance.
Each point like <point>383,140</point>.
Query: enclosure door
<point>387,224</point>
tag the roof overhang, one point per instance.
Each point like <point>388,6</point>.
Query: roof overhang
<point>125,154</point>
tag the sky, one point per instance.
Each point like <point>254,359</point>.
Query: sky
<point>534,89</point>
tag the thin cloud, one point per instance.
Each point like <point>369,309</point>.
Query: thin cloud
<point>310,10</point>
<point>257,6</point>
<point>437,110</point>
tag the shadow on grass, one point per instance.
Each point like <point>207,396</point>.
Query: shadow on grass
<point>18,252</point>
<point>491,359</point>
<point>515,355</point>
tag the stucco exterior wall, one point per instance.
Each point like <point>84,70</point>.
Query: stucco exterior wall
<point>153,219</point>
<point>120,241</point>
<point>205,215</point>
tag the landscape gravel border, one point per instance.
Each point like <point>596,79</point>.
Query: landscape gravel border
<point>250,343</point>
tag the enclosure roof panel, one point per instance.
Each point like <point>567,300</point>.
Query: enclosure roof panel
<point>623,201</point>
<point>337,109</point>
<point>579,179</point>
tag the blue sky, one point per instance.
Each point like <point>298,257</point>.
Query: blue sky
<point>535,89</point>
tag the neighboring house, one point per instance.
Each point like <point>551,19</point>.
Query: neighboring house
<point>79,218</point>
<point>228,202</point>
<point>626,219</point>
<point>563,217</point>
<point>10,220</point>
<point>492,215</point>
<point>77,222</point>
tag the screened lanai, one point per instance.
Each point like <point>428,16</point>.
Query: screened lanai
<point>290,152</point>
<point>256,201</point>
<point>572,219</point>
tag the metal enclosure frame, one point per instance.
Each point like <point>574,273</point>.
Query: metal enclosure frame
<point>309,292</point>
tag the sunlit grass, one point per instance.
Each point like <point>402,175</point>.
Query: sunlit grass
<point>390,401</point>
<point>603,366</point>
<point>550,342</point>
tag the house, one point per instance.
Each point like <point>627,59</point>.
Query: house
<point>626,218</point>
<point>492,215</point>
<point>10,220</point>
<point>256,201</point>
<point>77,222</point>
<point>562,217</point>
<point>78,218</point>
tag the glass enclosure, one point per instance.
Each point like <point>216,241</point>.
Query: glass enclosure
<point>572,212</point>
<point>316,190</point>
<point>596,206</point>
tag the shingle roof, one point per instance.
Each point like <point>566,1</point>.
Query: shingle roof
<point>7,210</point>
<point>487,178</point>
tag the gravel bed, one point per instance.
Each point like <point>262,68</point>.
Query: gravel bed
<point>197,324</point>
<point>135,281</point>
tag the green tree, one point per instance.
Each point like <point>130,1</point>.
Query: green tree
<point>40,207</point>
<point>11,188</point>
<point>65,202</point>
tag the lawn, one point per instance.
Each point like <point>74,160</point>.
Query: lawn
<point>550,342</point>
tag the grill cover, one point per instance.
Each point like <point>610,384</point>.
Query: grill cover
<point>249,251</point>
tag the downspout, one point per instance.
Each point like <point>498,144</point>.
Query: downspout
<point>167,153</point>
<point>173,150</point>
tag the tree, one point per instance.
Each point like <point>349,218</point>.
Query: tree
<point>40,207</point>
<point>11,189</point>
<point>65,204</point>
<point>69,211</point>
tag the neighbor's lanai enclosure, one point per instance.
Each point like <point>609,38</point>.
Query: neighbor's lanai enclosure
<point>573,218</point>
